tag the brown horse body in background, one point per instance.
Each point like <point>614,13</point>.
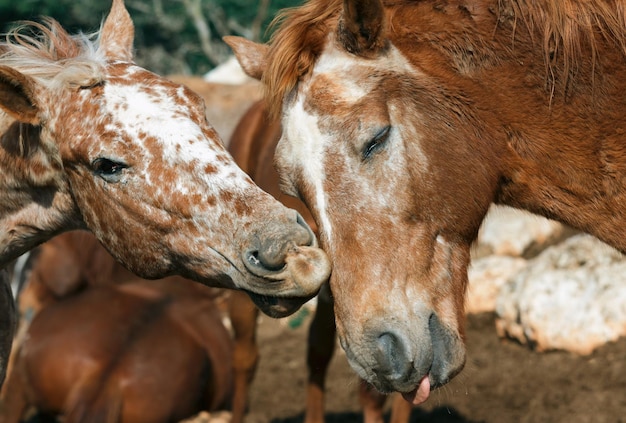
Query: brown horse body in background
<point>105,346</point>
<point>252,145</point>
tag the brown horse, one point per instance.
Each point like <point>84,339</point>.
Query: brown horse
<point>64,266</point>
<point>404,120</point>
<point>90,140</point>
<point>252,145</point>
<point>142,351</point>
<point>8,321</point>
<point>75,261</point>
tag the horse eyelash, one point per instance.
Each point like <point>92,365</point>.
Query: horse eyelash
<point>376,142</point>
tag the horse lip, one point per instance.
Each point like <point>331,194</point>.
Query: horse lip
<point>408,383</point>
<point>278,307</point>
<point>399,383</point>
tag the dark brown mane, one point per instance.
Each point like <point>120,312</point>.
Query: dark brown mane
<point>562,28</point>
<point>568,30</point>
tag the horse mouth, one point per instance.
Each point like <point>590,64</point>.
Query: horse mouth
<point>277,307</point>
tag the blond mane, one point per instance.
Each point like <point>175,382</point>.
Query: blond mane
<point>46,52</point>
<point>564,26</point>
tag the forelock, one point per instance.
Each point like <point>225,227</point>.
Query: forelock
<point>295,47</point>
<point>46,52</point>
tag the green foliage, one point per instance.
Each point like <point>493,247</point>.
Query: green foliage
<point>167,38</point>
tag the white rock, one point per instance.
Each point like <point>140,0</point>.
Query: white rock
<point>509,231</point>
<point>486,276</point>
<point>229,72</point>
<point>572,297</point>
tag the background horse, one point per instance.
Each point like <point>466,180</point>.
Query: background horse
<point>74,262</point>
<point>141,351</point>
<point>403,121</point>
<point>252,145</point>
<point>90,140</point>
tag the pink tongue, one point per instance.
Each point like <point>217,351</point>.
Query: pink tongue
<point>420,394</point>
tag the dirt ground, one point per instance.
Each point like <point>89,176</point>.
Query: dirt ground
<point>502,382</point>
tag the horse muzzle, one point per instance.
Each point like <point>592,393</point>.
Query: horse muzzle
<point>287,271</point>
<point>407,359</point>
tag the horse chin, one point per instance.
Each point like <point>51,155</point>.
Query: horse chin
<point>278,307</point>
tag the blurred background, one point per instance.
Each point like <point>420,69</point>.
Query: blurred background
<point>171,36</point>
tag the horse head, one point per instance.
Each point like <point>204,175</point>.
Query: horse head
<point>130,156</point>
<point>371,143</point>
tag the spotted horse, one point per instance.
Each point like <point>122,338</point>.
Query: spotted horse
<point>90,140</point>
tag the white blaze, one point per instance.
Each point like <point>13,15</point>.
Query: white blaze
<point>306,144</point>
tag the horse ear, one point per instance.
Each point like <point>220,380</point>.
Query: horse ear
<point>118,33</point>
<point>251,56</point>
<point>17,96</point>
<point>361,26</point>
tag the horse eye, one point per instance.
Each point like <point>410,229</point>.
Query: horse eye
<point>107,169</point>
<point>376,142</point>
<point>91,84</point>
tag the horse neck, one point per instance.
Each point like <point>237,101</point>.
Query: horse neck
<point>552,119</point>
<point>36,205</point>
<point>563,160</point>
<point>555,129</point>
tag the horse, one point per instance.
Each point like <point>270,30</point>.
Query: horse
<point>139,351</point>
<point>52,85</point>
<point>403,121</point>
<point>90,140</point>
<point>252,145</point>
<point>65,266</point>
<point>8,321</point>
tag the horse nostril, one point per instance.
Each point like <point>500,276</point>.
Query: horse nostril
<point>310,234</point>
<point>267,255</point>
<point>272,263</point>
<point>448,351</point>
<point>392,356</point>
<point>300,220</point>
<point>253,258</point>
